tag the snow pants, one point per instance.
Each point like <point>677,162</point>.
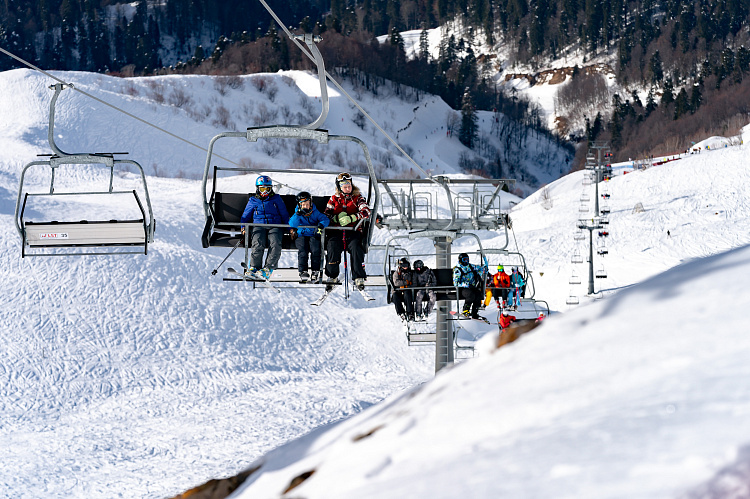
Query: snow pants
<point>515,297</point>
<point>472,297</point>
<point>425,301</point>
<point>354,245</point>
<point>403,300</point>
<point>308,246</point>
<point>259,237</point>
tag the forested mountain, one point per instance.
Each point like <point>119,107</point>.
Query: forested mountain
<point>670,56</point>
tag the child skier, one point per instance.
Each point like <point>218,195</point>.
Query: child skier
<point>424,277</point>
<point>264,207</point>
<point>501,280</point>
<point>307,239</point>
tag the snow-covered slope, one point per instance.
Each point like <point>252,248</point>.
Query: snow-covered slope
<point>143,375</point>
<point>640,394</point>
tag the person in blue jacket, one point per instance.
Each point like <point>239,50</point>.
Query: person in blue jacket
<point>307,225</point>
<point>517,284</point>
<point>264,207</point>
<point>468,278</point>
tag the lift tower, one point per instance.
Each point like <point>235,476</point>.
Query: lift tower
<point>443,209</point>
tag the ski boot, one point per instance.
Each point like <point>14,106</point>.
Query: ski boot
<point>315,277</point>
<point>359,283</point>
<point>251,272</point>
<point>330,283</point>
<point>265,273</point>
<point>304,276</point>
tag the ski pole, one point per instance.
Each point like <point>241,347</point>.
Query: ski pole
<point>346,266</point>
<point>214,271</point>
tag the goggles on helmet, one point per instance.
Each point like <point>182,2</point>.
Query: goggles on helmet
<point>264,188</point>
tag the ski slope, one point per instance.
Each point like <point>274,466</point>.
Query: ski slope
<point>144,375</point>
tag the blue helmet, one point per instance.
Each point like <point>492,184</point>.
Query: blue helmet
<point>263,180</point>
<point>463,259</point>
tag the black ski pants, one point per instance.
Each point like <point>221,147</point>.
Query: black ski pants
<point>308,246</point>
<point>403,300</point>
<point>352,239</point>
<point>473,297</point>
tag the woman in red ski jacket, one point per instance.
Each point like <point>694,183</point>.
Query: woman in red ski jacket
<point>345,209</point>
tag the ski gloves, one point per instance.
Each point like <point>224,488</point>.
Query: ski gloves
<point>344,219</point>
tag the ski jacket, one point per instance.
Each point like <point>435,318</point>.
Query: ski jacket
<point>265,211</point>
<point>313,219</point>
<point>517,280</point>
<point>505,320</point>
<point>353,204</point>
<point>501,280</point>
<point>468,276</point>
<point>424,279</point>
<point>402,279</point>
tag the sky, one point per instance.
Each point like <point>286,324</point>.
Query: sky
<point>147,374</point>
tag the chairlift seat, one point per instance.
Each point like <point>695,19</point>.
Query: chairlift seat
<point>85,233</point>
<point>572,300</point>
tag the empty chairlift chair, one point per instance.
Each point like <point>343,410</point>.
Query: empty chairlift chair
<point>577,257</point>
<point>575,279</point>
<point>601,273</point>
<point>124,224</point>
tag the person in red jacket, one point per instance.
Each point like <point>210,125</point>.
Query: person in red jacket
<point>505,320</point>
<point>501,280</point>
<point>345,209</point>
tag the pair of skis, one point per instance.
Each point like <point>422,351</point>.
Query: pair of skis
<point>253,278</point>
<point>462,317</point>
<point>327,292</point>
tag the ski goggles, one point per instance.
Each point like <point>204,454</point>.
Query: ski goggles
<point>264,188</point>
<point>345,182</point>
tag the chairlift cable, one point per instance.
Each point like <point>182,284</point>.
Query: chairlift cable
<point>70,85</point>
<point>328,75</point>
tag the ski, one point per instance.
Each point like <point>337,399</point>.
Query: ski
<point>320,300</point>
<point>364,294</point>
<point>254,279</point>
<point>462,317</point>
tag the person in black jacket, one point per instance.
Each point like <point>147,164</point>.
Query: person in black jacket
<point>425,299</point>
<point>403,298</point>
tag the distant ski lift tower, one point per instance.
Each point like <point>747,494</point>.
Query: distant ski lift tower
<point>597,162</point>
<point>590,226</point>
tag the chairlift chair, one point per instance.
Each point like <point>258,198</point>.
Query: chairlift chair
<point>600,273</point>
<point>575,279</point>
<point>579,235</point>
<point>223,210</point>
<point>96,235</point>
<point>585,198</point>
<point>577,257</point>
<point>572,300</point>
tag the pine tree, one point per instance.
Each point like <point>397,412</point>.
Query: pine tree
<point>468,133</point>
<point>695,97</point>
<point>681,104</point>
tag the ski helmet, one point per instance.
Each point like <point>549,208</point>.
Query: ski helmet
<point>302,197</point>
<point>505,313</point>
<point>500,268</point>
<point>263,185</point>
<point>418,265</point>
<point>343,177</point>
<point>403,263</point>
<point>463,259</point>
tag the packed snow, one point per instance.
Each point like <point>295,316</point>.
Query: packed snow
<point>145,376</point>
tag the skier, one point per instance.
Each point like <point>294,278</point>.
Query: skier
<point>468,279</point>
<point>501,280</point>
<point>516,284</point>
<point>307,239</point>
<point>424,277</point>
<point>403,298</point>
<point>345,209</point>
<point>505,320</point>
<point>540,318</point>
<point>264,207</point>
